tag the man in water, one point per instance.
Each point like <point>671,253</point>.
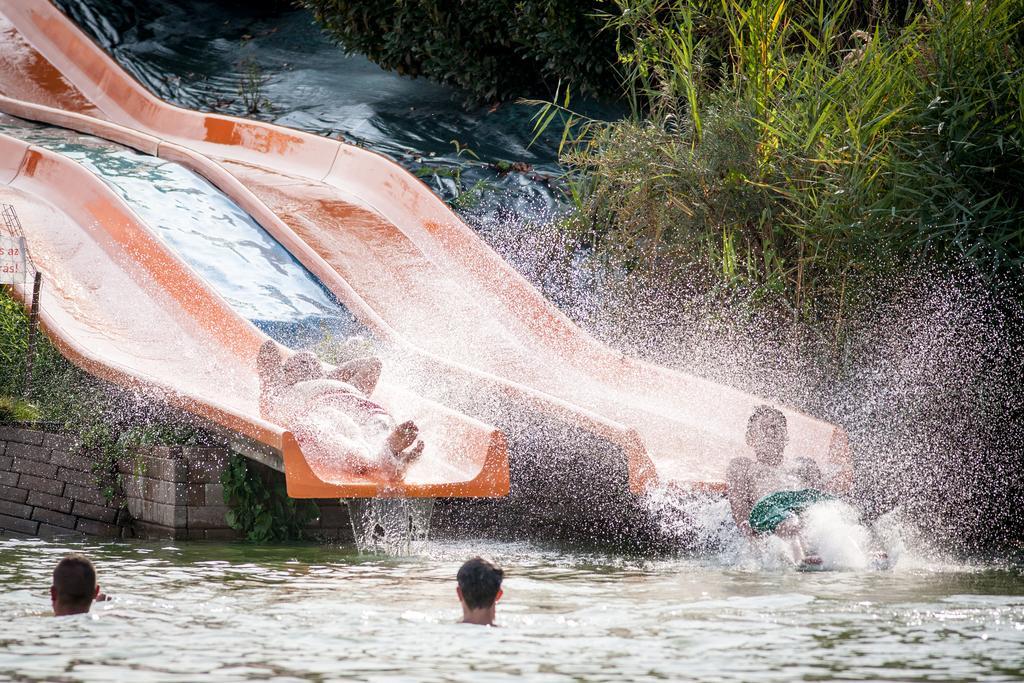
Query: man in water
<point>331,415</point>
<point>74,586</point>
<point>479,590</point>
<point>767,495</point>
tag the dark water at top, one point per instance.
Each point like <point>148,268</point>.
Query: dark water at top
<point>197,53</point>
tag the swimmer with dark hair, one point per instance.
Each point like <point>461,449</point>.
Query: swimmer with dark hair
<point>479,590</point>
<point>74,586</point>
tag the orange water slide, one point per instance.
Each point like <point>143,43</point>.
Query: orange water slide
<point>121,306</point>
<point>403,262</point>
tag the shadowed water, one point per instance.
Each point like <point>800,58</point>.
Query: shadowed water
<point>307,82</point>
<point>235,612</point>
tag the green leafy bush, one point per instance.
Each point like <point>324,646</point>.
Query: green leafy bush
<point>13,344</point>
<point>773,147</point>
<point>61,391</point>
<point>493,49</point>
<point>261,509</point>
<point>16,410</point>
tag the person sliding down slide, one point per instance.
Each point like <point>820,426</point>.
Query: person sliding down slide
<point>768,495</point>
<point>330,415</point>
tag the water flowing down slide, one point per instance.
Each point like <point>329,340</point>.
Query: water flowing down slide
<point>122,306</point>
<point>402,262</point>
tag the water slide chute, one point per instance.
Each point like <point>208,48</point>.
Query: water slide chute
<point>124,308</point>
<point>404,264</point>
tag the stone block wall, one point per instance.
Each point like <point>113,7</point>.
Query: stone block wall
<point>48,489</point>
<point>175,492</point>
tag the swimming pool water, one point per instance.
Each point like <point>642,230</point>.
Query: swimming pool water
<point>185,611</point>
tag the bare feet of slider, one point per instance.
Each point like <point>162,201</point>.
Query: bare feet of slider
<point>589,341</point>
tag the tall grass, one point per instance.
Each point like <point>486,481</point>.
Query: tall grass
<point>775,145</point>
<point>105,417</point>
<point>14,324</point>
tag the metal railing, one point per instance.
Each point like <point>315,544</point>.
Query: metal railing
<point>11,221</point>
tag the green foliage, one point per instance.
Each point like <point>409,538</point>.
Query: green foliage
<point>470,197</point>
<point>13,344</point>
<point>261,509</point>
<point>106,449</point>
<point>451,184</point>
<point>493,49</point>
<point>773,147</point>
<point>62,393</point>
<point>109,423</point>
<point>16,410</point>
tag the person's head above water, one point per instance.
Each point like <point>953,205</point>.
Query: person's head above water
<point>767,435</point>
<point>479,590</point>
<point>74,586</point>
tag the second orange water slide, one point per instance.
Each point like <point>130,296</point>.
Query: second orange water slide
<point>405,260</point>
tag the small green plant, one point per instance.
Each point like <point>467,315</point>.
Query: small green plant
<point>470,198</point>
<point>17,410</point>
<point>458,195</point>
<point>106,449</point>
<point>262,510</point>
<point>250,88</point>
<point>463,150</point>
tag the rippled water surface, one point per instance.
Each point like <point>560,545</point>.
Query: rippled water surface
<point>238,612</point>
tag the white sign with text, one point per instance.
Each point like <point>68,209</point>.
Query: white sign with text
<point>13,263</point>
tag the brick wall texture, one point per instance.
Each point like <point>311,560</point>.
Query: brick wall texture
<point>47,488</point>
